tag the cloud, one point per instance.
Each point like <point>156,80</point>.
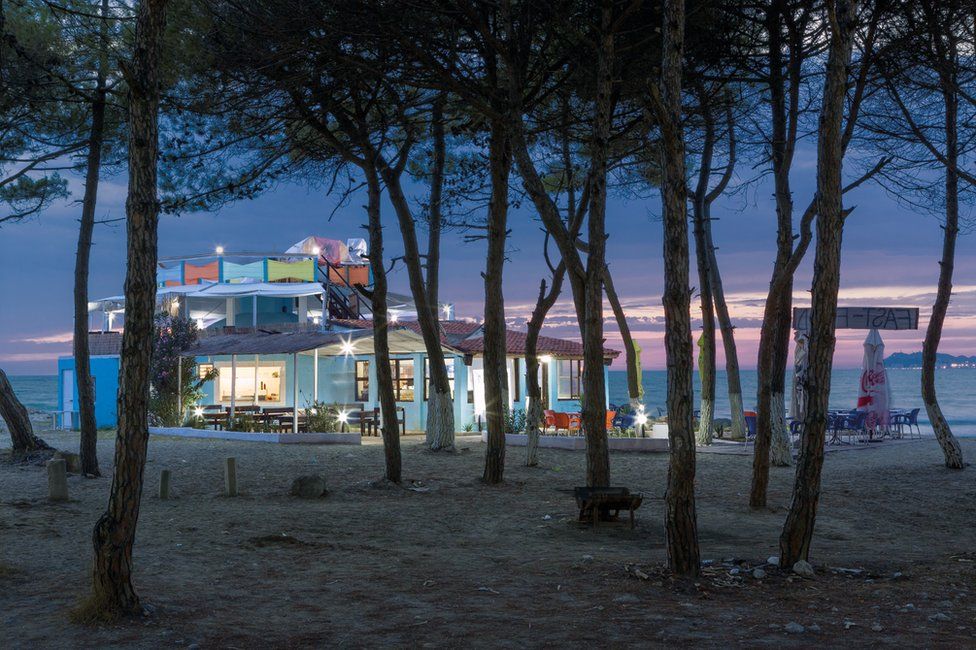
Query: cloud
<point>62,337</point>
<point>29,356</point>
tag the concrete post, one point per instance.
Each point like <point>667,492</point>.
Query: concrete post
<point>230,312</point>
<point>294,392</point>
<point>315,376</point>
<point>233,385</point>
<point>179,390</point>
<point>164,484</point>
<point>230,477</point>
<point>257,362</point>
<point>57,479</point>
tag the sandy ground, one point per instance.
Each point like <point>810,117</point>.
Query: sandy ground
<point>457,563</point>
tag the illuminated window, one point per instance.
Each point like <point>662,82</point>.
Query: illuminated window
<point>449,365</point>
<point>204,369</point>
<point>402,370</point>
<point>362,381</point>
<point>269,382</point>
<point>570,371</point>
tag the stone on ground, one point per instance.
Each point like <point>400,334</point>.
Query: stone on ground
<point>803,569</point>
<point>308,487</point>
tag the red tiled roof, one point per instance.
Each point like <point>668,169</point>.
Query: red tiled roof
<point>515,344</point>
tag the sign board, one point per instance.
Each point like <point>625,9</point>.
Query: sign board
<point>864,318</point>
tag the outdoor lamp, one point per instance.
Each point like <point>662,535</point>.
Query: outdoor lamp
<point>545,359</point>
<point>347,347</point>
<point>641,418</point>
<point>198,411</point>
<point>219,250</point>
<point>343,417</point>
<point>316,250</point>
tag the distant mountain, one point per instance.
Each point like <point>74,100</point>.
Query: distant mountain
<point>914,360</point>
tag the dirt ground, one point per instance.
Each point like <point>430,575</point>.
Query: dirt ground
<point>453,562</point>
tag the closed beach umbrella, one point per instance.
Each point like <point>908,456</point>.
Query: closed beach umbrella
<point>874,392</point>
<point>798,405</point>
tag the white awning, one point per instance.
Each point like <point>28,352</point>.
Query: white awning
<point>220,290</point>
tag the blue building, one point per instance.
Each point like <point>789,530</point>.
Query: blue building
<point>288,330</point>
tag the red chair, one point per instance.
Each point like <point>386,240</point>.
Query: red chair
<point>548,420</point>
<point>560,421</point>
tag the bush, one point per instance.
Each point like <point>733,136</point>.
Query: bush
<point>514,421</point>
<point>322,418</point>
<point>173,334</point>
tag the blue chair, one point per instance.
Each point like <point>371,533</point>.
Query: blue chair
<point>908,419</point>
<point>796,428</point>
<point>750,424</point>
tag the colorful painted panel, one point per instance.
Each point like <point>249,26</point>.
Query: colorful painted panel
<point>170,276</point>
<point>237,272</point>
<point>301,271</point>
<point>194,273</point>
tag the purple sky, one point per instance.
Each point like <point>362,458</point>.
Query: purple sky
<point>890,258</point>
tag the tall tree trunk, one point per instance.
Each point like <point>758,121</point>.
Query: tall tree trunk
<point>390,429</point>
<point>495,371</point>
<point>718,291</point>
<point>798,529</point>
<point>779,299</point>
<point>706,343</point>
<point>86,387</point>
<point>680,521</point>
<point>436,205</point>
<point>440,404</point>
<point>533,391</point>
<point>113,593</point>
<point>930,347</point>
<point>634,388</point>
<point>18,422</point>
<point>728,342</point>
<point>594,400</point>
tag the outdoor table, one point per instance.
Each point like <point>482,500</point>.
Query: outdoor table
<point>216,420</point>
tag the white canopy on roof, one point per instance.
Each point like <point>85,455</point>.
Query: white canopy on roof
<point>220,290</point>
<point>246,289</point>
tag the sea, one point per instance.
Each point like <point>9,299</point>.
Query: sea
<point>956,387</point>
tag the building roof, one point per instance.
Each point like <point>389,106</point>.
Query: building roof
<point>453,332</point>
<point>515,344</point>
<point>104,343</point>
<point>461,335</point>
<point>402,341</point>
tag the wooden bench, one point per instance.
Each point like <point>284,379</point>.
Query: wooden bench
<point>596,503</point>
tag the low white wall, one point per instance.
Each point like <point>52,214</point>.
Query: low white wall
<point>281,438</point>
<point>652,443</point>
